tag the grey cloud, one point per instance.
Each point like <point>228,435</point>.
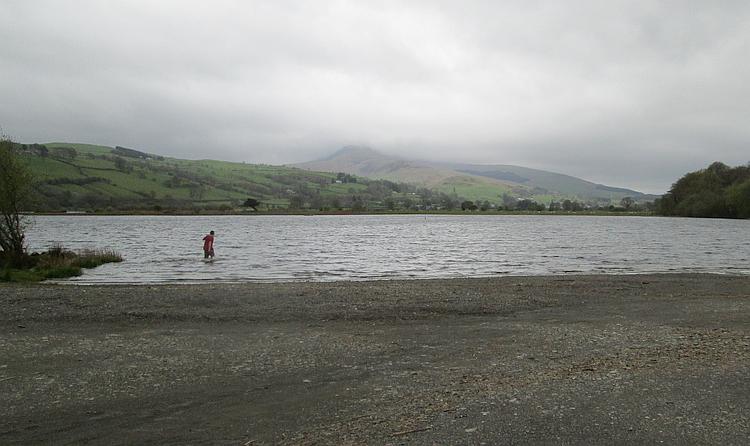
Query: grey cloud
<point>624,93</point>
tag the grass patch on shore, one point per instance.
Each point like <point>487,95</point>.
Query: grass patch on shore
<point>57,263</point>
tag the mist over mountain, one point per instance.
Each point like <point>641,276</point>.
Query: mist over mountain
<point>71,176</point>
<point>479,181</point>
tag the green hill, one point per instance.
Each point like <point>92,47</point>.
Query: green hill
<point>473,181</point>
<point>372,164</point>
<point>557,185</point>
<point>100,178</point>
<point>83,176</point>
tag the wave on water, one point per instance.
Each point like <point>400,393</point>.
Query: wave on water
<point>292,248</point>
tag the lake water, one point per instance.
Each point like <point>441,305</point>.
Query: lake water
<point>324,248</point>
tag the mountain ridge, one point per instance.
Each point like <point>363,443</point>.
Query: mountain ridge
<point>477,181</point>
<point>70,176</point>
<point>74,177</point>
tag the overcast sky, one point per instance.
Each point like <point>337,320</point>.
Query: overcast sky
<point>631,93</point>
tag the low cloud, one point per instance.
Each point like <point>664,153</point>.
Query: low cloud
<point>629,94</point>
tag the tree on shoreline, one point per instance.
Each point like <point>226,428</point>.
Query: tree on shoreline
<point>252,203</point>
<point>718,191</point>
<point>15,191</point>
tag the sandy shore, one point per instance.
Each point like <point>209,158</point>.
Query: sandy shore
<point>523,360</point>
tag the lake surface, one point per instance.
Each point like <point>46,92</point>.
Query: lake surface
<point>160,249</point>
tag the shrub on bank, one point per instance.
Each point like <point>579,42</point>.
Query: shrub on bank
<point>61,272</point>
<point>58,263</point>
<point>93,258</point>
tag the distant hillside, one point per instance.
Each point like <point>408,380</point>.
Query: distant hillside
<point>555,184</point>
<point>100,178</point>
<point>372,164</point>
<point>366,162</point>
<point>473,181</point>
<point>83,176</point>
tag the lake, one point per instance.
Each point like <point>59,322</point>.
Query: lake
<point>168,249</point>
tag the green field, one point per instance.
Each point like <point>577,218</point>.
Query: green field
<point>85,177</point>
<point>476,189</point>
<point>97,177</point>
<point>106,179</point>
<point>477,182</point>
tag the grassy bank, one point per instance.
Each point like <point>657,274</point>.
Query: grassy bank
<point>188,212</point>
<point>57,263</point>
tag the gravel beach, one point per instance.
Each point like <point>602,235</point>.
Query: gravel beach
<point>636,359</point>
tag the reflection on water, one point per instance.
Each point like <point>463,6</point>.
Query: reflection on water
<point>324,248</point>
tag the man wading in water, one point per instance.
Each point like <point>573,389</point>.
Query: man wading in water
<point>208,245</point>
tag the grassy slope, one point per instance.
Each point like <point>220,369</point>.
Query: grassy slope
<point>213,183</point>
<point>543,187</point>
<point>376,166</point>
<point>474,188</point>
<point>226,182</point>
<point>475,182</point>
<point>558,185</point>
<point>218,181</point>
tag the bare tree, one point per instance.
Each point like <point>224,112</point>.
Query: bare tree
<point>15,190</point>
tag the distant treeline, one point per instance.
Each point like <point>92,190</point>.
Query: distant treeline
<point>125,179</point>
<point>716,191</point>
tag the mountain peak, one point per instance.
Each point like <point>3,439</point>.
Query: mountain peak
<point>486,182</point>
<point>354,153</point>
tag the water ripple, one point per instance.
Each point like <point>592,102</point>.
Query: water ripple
<point>323,248</point>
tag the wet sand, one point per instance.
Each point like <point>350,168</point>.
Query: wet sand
<point>638,359</point>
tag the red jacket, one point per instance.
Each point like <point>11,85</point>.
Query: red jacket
<point>208,242</point>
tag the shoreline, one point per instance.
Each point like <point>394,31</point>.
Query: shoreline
<point>220,282</point>
<point>571,359</point>
<point>342,213</point>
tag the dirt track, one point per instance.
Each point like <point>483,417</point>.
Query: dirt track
<point>523,360</point>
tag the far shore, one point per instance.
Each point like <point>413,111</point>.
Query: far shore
<point>599,359</point>
<point>311,213</point>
